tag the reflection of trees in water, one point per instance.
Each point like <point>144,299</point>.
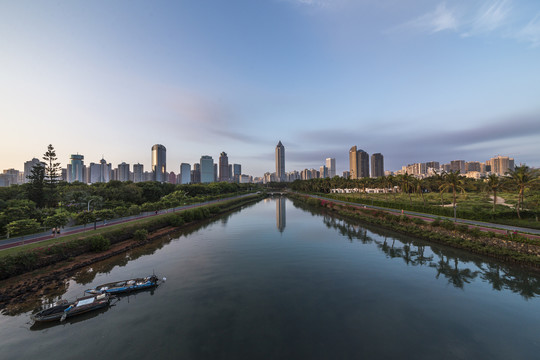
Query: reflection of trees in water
<point>457,268</point>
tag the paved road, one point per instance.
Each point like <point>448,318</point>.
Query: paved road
<point>481,224</point>
<point>28,239</point>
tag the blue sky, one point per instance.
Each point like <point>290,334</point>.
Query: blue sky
<point>414,80</point>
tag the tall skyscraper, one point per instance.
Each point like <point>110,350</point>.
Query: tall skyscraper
<point>76,169</point>
<point>353,162</point>
<point>358,163</point>
<point>196,174</point>
<point>207,169</point>
<point>377,165</point>
<point>138,173</point>
<point>280,162</point>
<point>331,165</point>
<point>323,171</point>
<point>100,172</point>
<point>237,171</point>
<point>159,162</point>
<point>185,173</point>
<point>28,166</point>
<point>123,172</point>
<point>223,167</point>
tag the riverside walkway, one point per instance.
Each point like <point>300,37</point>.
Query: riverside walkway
<point>484,226</point>
<point>33,238</point>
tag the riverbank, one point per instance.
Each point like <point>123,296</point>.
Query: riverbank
<point>512,247</point>
<point>49,266</point>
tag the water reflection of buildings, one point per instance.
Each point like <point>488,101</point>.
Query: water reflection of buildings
<point>280,214</point>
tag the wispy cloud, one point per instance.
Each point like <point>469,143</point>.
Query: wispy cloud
<point>491,16</point>
<point>441,19</point>
<point>531,32</point>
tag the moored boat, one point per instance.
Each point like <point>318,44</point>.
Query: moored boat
<point>63,309</point>
<point>124,286</point>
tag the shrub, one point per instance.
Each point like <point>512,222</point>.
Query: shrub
<point>418,221</point>
<point>99,243</point>
<point>476,233</point>
<point>140,235</point>
<point>436,222</point>
<point>448,225</point>
<point>177,220</point>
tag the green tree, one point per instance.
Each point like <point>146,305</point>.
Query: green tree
<point>493,184</point>
<point>56,220</point>
<point>453,181</point>
<point>36,191</point>
<point>522,177</point>
<point>85,217</point>
<point>52,176</point>
<point>419,187</point>
<point>23,227</point>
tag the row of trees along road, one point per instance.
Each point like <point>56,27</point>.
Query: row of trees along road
<point>46,202</point>
<point>521,181</point>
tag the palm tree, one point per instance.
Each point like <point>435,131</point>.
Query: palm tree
<point>419,186</point>
<point>391,180</point>
<point>522,177</point>
<point>406,182</point>
<point>494,184</point>
<point>453,181</point>
<point>439,179</point>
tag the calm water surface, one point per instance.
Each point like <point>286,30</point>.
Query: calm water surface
<point>276,281</point>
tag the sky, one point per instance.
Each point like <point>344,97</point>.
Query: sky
<point>416,80</point>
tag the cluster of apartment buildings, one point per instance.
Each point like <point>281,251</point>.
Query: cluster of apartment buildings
<point>498,165</point>
<point>206,171</point>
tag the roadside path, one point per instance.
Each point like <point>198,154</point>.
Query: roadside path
<point>484,226</point>
<point>33,238</point>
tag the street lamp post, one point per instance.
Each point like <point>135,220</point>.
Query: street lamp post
<point>455,207</point>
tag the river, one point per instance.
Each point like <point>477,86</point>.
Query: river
<point>277,280</point>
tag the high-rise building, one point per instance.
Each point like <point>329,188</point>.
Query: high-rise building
<point>185,173</point>
<point>207,169</point>
<point>433,165</point>
<point>280,162</point>
<point>237,171</point>
<point>100,172</point>
<point>501,164</point>
<point>223,167</point>
<point>457,165</point>
<point>473,166</point>
<point>138,173</point>
<point>323,171</point>
<point>9,177</point>
<point>159,162</point>
<point>377,165</point>
<point>28,166</point>
<point>76,169</point>
<point>172,178</point>
<point>123,172</point>
<point>215,172</point>
<point>358,163</point>
<point>353,162</point>
<point>346,174</point>
<point>196,174</point>
<point>331,165</point>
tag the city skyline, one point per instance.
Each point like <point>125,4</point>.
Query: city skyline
<point>415,81</point>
